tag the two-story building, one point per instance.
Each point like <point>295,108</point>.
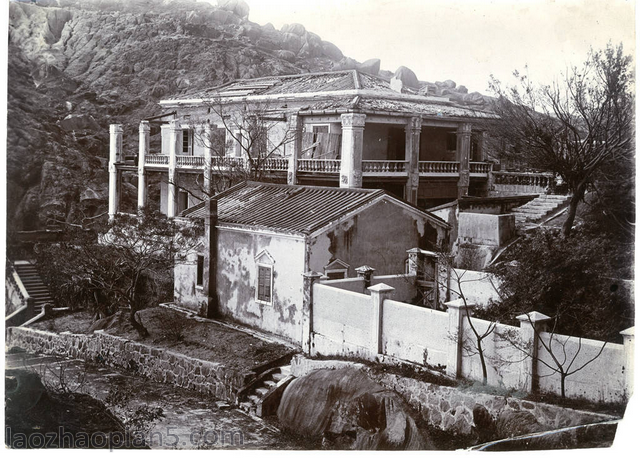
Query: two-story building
<point>345,129</point>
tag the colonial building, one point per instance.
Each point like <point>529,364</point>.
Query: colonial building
<point>343,129</point>
<point>261,238</point>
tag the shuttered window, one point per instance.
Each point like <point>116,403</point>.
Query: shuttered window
<point>264,283</point>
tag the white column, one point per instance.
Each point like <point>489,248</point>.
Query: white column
<point>309,278</point>
<point>207,133</point>
<point>457,311</point>
<point>115,156</point>
<point>379,293</point>
<point>352,143</point>
<point>628,338</point>
<point>531,325</point>
<point>143,151</point>
<point>174,145</point>
<point>295,127</point>
<point>463,152</point>
<point>412,154</point>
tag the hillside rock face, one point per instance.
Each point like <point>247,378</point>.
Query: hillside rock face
<point>76,66</point>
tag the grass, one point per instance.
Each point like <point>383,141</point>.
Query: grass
<point>174,331</point>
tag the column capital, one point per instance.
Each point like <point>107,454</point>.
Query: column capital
<point>464,128</point>
<point>144,126</point>
<point>174,124</point>
<point>353,120</point>
<point>414,123</point>
<point>115,128</point>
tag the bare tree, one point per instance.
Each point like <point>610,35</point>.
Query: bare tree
<point>562,351</point>
<point>256,134</point>
<point>574,127</point>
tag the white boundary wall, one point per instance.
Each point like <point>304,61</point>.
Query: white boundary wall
<point>346,323</point>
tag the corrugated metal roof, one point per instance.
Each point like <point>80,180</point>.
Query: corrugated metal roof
<point>285,208</point>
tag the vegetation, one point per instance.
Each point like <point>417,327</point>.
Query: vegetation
<point>580,127</point>
<point>126,263</point>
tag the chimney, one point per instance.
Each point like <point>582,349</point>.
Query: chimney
<point>211,256</point>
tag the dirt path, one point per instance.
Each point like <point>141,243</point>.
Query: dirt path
<point>191,420</point>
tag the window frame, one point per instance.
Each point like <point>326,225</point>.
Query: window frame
<point>257,296</point>
<point>200,271</point>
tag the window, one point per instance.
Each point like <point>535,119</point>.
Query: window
<point>336,269</point>
<point>183,200</point>
<point>200,271</point>
<point>186,142</point>
<point>265,275</point>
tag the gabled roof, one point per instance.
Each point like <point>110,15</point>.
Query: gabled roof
<point>292,209</point>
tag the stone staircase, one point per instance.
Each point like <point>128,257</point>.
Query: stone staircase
<point>533,212</point>
<point>271,385</point>
<point>33,283</point>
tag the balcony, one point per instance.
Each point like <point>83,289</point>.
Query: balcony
<point>370,168</point>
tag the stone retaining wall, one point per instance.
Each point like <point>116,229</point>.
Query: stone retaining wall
<point>154,363</point>
<point>451,409</point>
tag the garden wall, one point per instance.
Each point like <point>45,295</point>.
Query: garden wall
<point>451,409</point>
<point>154,363</point>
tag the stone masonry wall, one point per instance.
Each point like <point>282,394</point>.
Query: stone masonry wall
<point>451,409</point>
<point>154,363</point>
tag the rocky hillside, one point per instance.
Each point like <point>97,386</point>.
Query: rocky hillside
<point>75,66</point>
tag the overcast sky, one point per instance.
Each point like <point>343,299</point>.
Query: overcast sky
<point>462,40</point>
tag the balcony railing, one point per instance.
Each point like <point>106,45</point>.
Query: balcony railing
<point>191,161</point>
<point>276,164</point>
<point>479,168</point>
<point>531,179</point>
<point>162,160</point>
<point>331,166</point>
<point>438,167</point>
<point>384,167</point>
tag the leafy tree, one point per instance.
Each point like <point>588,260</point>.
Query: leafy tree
<point>577,127</point>
<point>578,282</point>
<point>128,262</point>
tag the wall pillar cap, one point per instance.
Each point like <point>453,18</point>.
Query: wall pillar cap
<point>312,275</point>
<point>532,317</point>
<point>381,288</point>
<point>459,304</point>
<point>629,331</point>
<point>365,269</point>
<point>115,127</point>
<point>422,251</point>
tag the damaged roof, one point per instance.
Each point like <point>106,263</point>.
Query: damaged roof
<point>296,209</point>
<point>338,91</point>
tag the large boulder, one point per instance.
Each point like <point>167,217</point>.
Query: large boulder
<point>332,51</point>
<point>407,76</point>
<point>79,123</point>
<point>291,42</point>
<point>349,411</point>
<point>296,29</point>
<point>237,7</point>
<point>370,66</point>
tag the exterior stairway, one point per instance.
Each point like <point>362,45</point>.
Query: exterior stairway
<point>270,387</point>
<point>32,281</point>
<point>537,210</point>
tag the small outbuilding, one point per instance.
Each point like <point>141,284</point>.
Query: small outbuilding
<point>266,236</point>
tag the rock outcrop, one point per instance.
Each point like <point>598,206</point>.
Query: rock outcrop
<point>349,411</point>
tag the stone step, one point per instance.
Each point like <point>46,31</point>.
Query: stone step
<point>261,391</point>
<point>254,399</point>
<point>269,383</point>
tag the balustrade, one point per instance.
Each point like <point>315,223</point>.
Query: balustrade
<point>438,167</point>
<point>384,167</point>
<point>319,165</point>
<point>479,168</point>
<point>193,161</point>
<point>542,180</point>
<point>162,160</point>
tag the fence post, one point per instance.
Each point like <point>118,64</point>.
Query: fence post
<point>531,325</point>
<point>379,293</point>
<point>309,278</point>
<point>628,338</point>
<point>457,311</point>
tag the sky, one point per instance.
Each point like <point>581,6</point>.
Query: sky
<point>462,40</point>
